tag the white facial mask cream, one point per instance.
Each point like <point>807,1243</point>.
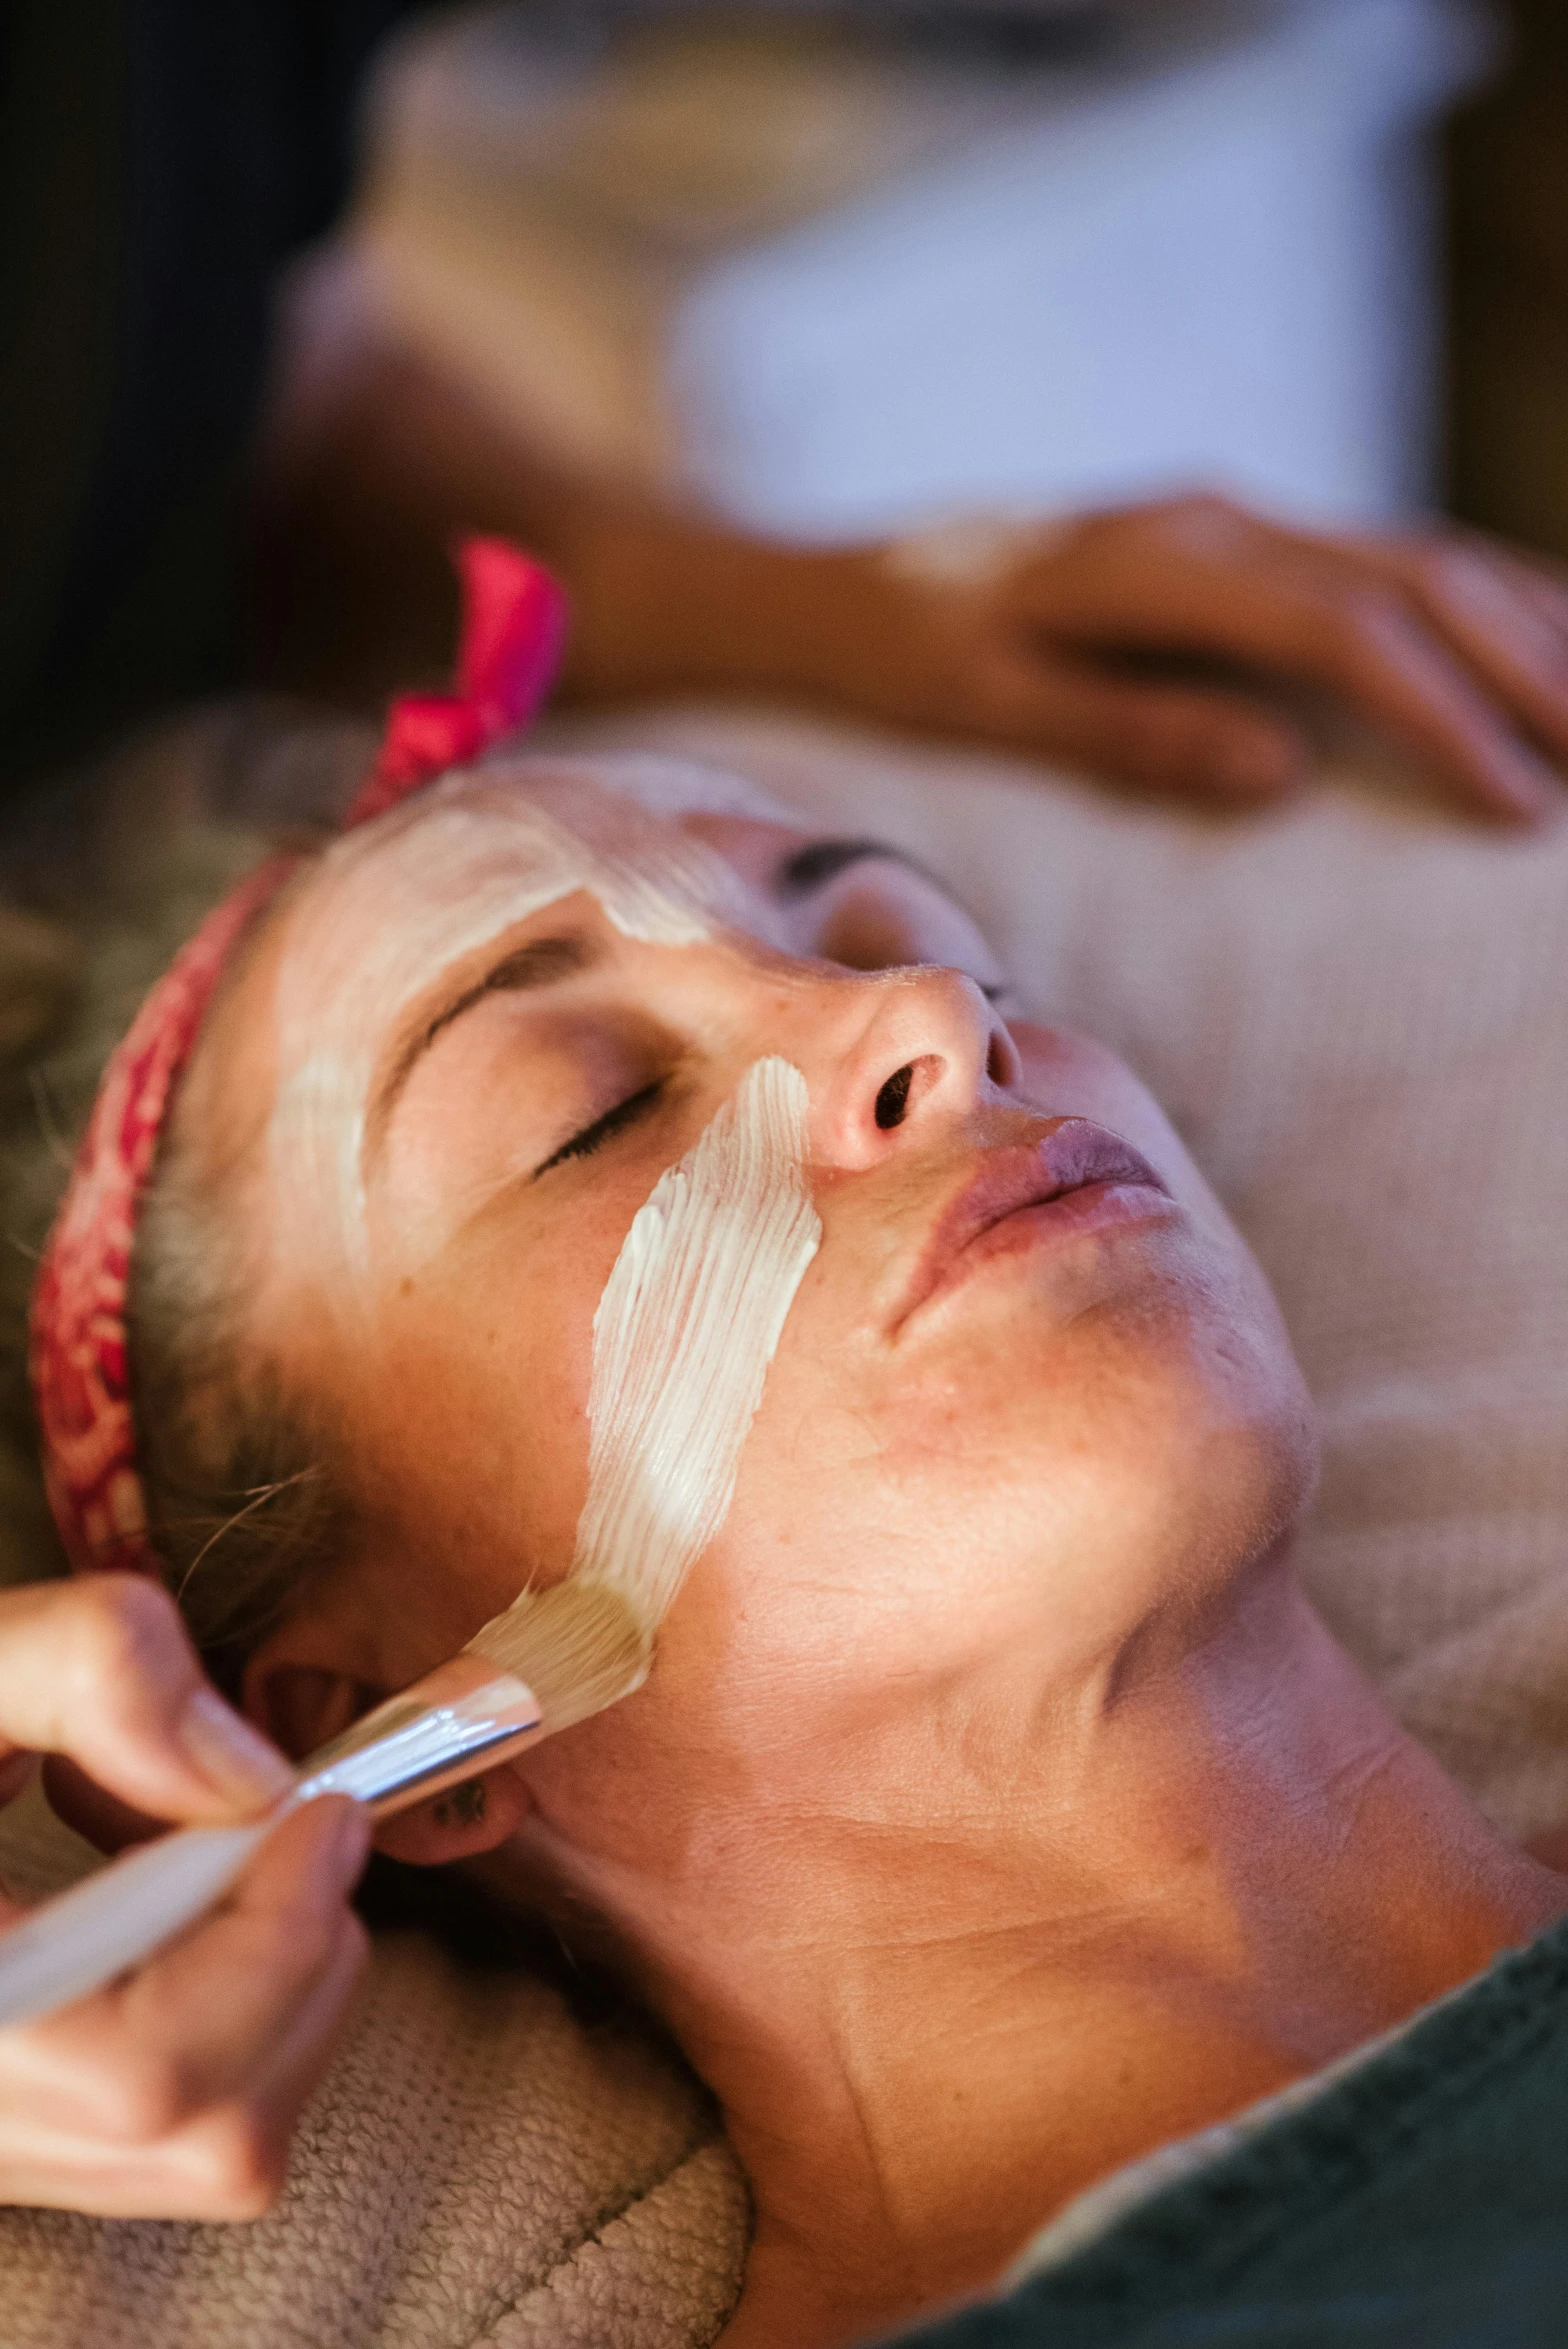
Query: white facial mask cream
<point>467,861</point>
<point>686,1328</point>
<point>692,1312</point>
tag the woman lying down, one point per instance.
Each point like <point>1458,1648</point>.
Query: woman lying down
<point>996,1809</point>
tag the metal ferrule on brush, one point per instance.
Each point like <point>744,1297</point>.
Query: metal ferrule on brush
<point>464,1718</point>
<point>582,1647</point>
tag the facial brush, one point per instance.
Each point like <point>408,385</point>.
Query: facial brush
<point>552,1659</point>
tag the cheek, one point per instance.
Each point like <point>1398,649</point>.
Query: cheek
<point>1065,1074</point>
<point>477,1423</point>
<point>1042,1474</point>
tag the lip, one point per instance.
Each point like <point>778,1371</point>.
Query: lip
<point>1074,1158</point>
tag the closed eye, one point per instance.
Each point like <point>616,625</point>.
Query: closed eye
<point>614,1121</point>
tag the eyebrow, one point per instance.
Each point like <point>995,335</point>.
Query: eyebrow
<point>541,963</point>
<point>821,861</point>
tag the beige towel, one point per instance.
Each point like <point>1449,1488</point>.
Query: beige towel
<point>479,2171</point>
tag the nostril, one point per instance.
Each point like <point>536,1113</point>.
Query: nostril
<point>999,1064</point>
<point>893,1100</point>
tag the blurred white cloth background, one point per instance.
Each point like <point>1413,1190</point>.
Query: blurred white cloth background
<point>832,286</point>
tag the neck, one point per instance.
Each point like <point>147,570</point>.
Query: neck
<point>1027,1942</point>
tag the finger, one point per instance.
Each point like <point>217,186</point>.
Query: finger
<point>1191,741</point>
<point>102,1669</point>
<point>90,1810</point>
<point>233,2163</point>
<point>226,1998</point>
<point>165,2159</point>
<point>1358,639</point>
<point>1542,582</point>
<point>1548,596</point>
<point>1301,606</point>
<point>1479,605</point>
<point>1390,667</point>
<point>186,2031</point>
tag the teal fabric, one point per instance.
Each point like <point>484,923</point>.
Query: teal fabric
<point>1419,2203</point>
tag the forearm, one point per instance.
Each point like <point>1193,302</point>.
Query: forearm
<point>672,602</point>
<point>1453,648</point>
<point>357,504</point>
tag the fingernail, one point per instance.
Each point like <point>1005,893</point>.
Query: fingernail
<point>231,1756</point>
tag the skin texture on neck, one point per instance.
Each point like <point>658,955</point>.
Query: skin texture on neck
<point>1035,1933</point>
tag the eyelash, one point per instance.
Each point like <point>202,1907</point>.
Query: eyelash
<point>603,1129</point>
<point>626,1113</point>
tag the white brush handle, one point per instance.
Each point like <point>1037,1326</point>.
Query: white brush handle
<point>83,1938</point>
<point>409,1748</point>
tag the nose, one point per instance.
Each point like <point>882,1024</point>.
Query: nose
<point>909,1047</point>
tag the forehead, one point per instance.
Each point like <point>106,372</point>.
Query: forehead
<point>481,849</point>
<point>389,915</point>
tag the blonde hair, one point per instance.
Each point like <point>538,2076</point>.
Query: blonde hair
<point>239,1500</point>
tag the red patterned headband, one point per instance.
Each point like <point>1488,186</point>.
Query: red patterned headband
<point>514,628</point>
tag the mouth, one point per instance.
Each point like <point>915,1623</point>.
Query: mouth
<point>1076,1178</point>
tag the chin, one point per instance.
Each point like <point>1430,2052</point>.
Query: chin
<point>1215,1459</point>
<point>1165,1437</point>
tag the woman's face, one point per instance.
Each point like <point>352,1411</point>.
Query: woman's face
<point>1032,1387</point>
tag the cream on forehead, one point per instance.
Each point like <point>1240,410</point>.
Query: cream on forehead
<point>663,786</point>
<point>472,857</point>
<point>684,1332</point>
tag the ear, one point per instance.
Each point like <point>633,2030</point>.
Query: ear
<point>300,1701</point>
<point>473,1817</point>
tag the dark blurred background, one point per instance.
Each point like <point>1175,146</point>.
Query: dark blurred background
<point>1507,173</point>
<point>821,273</point>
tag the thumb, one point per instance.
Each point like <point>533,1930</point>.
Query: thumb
<point>102,1669</point>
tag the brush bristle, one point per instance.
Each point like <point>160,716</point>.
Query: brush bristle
<point>579,1647</point>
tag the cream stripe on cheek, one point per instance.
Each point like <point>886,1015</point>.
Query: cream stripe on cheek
<point>684,1333</point>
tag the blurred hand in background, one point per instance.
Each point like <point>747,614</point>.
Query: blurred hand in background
<point>1146,645</point>
<point>1453,647</point>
